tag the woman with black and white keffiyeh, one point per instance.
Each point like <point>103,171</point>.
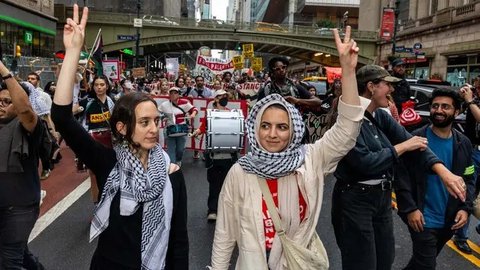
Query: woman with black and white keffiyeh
<point>136,179</point>
<point>293,172</point>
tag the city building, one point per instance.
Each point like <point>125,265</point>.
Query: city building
<point>438,39</point>
<point>27,34</point>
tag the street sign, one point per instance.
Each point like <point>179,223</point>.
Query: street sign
<point>417,46</point>
<point>399,49</point>
<point>28,37</point>
<point>137,22</point>
<point>126,37</point>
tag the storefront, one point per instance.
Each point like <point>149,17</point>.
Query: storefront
<point>462,69</point>
<point>25,32</point>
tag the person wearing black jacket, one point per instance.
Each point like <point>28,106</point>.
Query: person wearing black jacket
<point>140,221</point>
<point>361,200</point>
<point>432,216</point>
<point>402,91</point>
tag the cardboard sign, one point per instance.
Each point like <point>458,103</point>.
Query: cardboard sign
<point>238,62</point>
<point>248,50</point>
<point>257,64</point>
<point>138,72</point>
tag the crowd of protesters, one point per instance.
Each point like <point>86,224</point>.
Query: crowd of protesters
<point>138,188</point>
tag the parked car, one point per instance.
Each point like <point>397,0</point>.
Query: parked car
<point>152,19</point>
<point>421,94</point>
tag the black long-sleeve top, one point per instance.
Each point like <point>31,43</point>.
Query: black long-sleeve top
<point>121,240</point>
<point>374,156</point>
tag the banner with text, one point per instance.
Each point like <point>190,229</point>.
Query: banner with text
<point>208,67</point>
<point>388,24</point>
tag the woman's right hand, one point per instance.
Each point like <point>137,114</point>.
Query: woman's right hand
<point>414,143</point>
<point>74,31</point>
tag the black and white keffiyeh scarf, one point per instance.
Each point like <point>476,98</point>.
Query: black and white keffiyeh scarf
<point>137,185</point>
<point>273,165</point>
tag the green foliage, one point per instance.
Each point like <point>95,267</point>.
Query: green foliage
<point>326,23</point>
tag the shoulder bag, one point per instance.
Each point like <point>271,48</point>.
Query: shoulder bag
<point>313,257</point>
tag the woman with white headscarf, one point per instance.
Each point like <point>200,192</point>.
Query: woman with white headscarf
<point>293,172</point>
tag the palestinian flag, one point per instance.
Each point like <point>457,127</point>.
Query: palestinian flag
<point>97,51</point>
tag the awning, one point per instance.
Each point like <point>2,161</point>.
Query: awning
<point>46,25</point>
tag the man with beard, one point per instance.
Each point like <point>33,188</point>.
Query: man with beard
<point>424,204</point>
<point>402,91</point>
<point>20,138</point>
<point>200,90</point>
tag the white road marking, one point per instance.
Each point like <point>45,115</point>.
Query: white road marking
<point>51,215</point>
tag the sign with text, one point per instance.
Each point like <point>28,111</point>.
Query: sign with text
<point>388,24</point>
<point>238,62</point>
<point>208,67</point>
<point>126,37</point>
<point>248,50</point>
<point>202,105</point>
<point>249,88</point>
<point>111,70</point>
<point>257,64</point>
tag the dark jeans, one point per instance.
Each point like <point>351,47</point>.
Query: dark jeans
<point>363,226</point>
<point>16,223</point>
<point>215,177</point>
<point>426,246</point>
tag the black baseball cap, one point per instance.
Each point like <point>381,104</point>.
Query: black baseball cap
<point>397,62</point>
<point>373,72</point>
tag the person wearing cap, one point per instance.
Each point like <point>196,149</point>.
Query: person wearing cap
<point>217,164</point>
<point>280,84</point>
<point>176,110</point>
<point>402,91</point>
<point>361,200</point>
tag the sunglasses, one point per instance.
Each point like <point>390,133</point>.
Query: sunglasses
<point>4,102</point>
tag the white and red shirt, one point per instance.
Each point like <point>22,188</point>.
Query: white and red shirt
<point>172,111</point>
<point>267,220</point>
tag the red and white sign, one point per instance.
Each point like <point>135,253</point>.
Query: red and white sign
<point>217,66</point>
<point>388,24</point>
<point>202,104</point>
<point>249,88</point>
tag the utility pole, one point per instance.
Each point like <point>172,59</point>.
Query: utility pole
<point>397,11</point>
<point>137,42</point>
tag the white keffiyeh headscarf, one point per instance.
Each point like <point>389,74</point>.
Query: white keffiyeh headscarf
<point>273,165</point>
<point>136,185</point>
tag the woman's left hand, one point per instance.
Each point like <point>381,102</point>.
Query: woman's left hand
<point>347,50</point>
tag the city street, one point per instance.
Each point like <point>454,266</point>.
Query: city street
<point>63,244</point>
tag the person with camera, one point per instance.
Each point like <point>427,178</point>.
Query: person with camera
<point>471,96</point>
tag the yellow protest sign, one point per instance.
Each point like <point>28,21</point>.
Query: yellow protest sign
<point>238,62</point>
<point>257,64</point>
<point>248,50</point>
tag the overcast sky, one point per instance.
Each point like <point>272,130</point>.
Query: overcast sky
<point>219,9</point>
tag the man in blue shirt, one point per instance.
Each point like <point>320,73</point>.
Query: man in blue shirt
<point>432,215</point>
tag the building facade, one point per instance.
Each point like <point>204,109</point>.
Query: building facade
<point>27,36</point>
<point>438,39</point>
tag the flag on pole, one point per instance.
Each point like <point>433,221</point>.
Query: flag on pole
<point>96,52</point>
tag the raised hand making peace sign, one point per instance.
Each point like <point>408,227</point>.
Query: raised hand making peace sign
<point>348,57</point>
<point>74,31</point>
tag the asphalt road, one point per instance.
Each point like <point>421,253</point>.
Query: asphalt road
<point>64,243</point>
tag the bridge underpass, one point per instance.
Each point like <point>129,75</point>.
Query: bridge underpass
<point>163,35</point>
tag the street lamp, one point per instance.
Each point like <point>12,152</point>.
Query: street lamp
<point>397,11</point>
<point>137,42</point>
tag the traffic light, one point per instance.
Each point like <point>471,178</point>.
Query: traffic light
<point>18,51</point>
